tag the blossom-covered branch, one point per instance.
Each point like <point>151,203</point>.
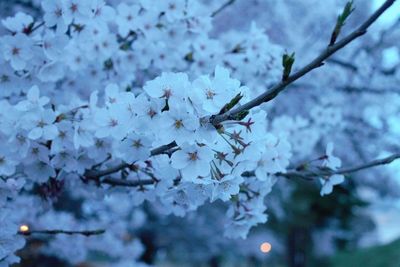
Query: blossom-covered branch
<point>274,91</point>
<point>95,174</point>
<point>316,63</point>
<point>305,173</point>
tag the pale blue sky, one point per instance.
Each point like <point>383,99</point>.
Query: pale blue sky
<point>391,15</point>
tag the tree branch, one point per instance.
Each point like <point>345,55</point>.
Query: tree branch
<point>328,172</point>
<point>65,232</point>
<point>343,64</point>
<point>317,62</point>
<point>95,174</point>
<point>304,174</point>
<point>225,5</point>
<point>128,183</point>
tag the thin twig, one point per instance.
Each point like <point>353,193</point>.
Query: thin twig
<point>128,183</point>
<point>353,89</point>
<point>343,64</point>
<point>225,5</point>
<point>328,172</point>
<point>95,174</point>
<point>371,164</point>
<point>316,63</point>
<point>37,27</point>
<point>65,232</point>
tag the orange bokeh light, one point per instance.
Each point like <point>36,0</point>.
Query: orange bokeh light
<point>24,228</point>
<point>265,247</point>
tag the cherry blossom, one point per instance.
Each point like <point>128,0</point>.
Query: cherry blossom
<point>192,161</point>
<point>329,182</point>
<point>17,49</point>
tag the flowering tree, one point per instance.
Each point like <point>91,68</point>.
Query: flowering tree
<point>115,114</point>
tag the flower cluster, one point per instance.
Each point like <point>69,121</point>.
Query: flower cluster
<point>331,162</point>
<point>45,143</point>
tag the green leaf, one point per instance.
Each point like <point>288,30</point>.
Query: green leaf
<point>241,115</point>
<point>348,9</point>
<point>287,63</point>
<point>231,103</point>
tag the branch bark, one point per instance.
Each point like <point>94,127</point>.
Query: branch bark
<point>128,183</point>
<point>95,174</point>
<point>65,232</point>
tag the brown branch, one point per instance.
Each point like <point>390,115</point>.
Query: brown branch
<point>65,232</point>
<point>225,5</point>
<point>353,89</point>
<point>307,174</point>
<point>304,174</point>
<point>343,64</point>
<point>317,62</point>
<point>128,183</point>
<point>95,174</point>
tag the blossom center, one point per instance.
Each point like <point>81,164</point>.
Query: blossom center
<point>15,51</point>
<point>58,12</point>
<point>137,143</point>
<point>210,94</point>
<point>41,124</point>
<point>178,124</point>
<point>74,8</point>
<point>113,122</point>
<point>167,92</point>
<point>151,113</point>
<point>193,156</point>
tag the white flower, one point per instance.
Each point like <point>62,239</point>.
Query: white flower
<point>102,12</point>
<point>112,122</point>
<point>41,125</point>
<point>192,161</point>
<point>178,125</point>
<point>53,15</point>
<point>19,23</point>
<point>39,171</point>
<point>174,9</point>
<point>7,162</point>
<point>170,86</point>
<point>214,93</point>
<point>127,18</point>
<point>18,50</point>
<point>34,101</point>
<point>226,187</point>
<point>83,134</point>
<point>328,183</point>
<point>76,10</point>
<point>330,160</point>
<point>53,45</point>
<point>134,147</point>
